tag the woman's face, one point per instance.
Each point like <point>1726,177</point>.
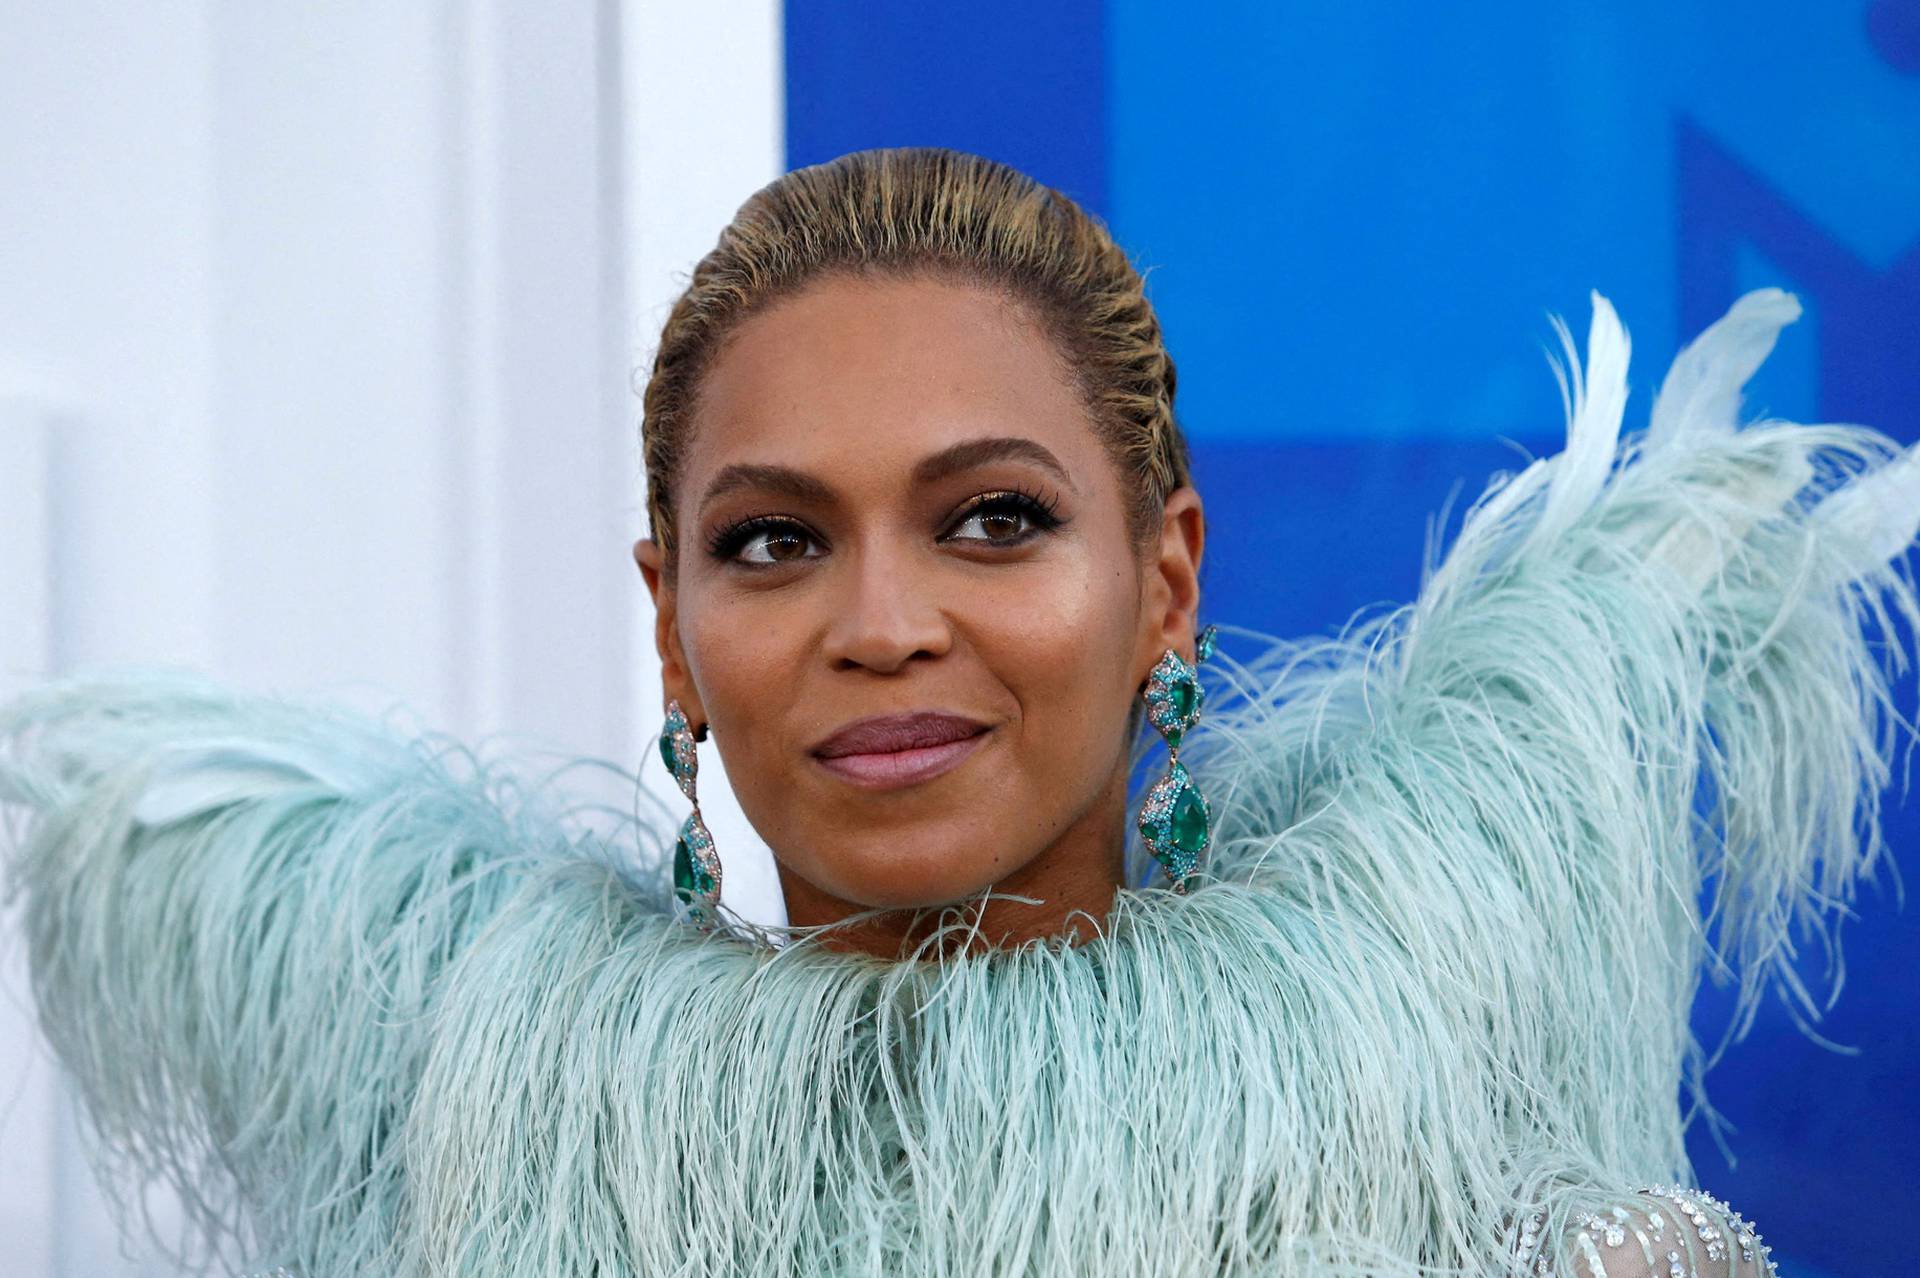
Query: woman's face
<point>906,598</point>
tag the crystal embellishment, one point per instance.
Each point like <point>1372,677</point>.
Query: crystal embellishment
<point>696,870</point>
<point>1628,1239</point>
<point>1173,698</point>
<point>1176,824</point>
<point>1175,821</point>
<point>696,866</point>
<point>676,749</point>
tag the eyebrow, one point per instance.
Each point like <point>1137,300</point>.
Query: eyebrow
<point>978,452</point>
<point>785,481</point>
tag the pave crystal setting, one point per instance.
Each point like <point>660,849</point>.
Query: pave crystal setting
<point>696,866</point>
<point>1173,698</point>
<point>696,870</point>
<point>1175,821</point>
<point>1177,825</point>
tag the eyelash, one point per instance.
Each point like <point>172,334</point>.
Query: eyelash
<point>1041,512</point>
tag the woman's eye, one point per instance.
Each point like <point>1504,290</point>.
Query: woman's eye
<point>777,546</point>
<point>767,542</point>
<point>1002,520</point>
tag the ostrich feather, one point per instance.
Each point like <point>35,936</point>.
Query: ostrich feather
<point>1701,392</point>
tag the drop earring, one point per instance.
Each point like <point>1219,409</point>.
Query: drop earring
<point>1174,819</point>
<point>696,866</point>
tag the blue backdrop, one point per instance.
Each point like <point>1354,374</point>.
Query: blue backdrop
<point>1356,219</point>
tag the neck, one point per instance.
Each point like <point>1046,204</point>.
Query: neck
<point>1076,876</point>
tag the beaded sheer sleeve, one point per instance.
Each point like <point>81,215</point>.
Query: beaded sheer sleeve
<point>1664,1231</point>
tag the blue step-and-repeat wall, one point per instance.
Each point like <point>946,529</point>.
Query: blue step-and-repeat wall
<point>1356,220</point>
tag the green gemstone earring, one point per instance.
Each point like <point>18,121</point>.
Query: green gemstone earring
<point>696,866</point>
<point>1174,818</point>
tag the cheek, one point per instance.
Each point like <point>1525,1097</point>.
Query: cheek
<point>739,655</point>
<point>749,659</point>
<point>1062,642</point>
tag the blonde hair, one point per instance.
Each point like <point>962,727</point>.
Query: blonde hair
<point>917,210</point>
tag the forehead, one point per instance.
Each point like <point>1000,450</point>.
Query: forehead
<point>865,372</point>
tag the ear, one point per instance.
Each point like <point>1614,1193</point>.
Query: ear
<point>675,680</point>
<point>1173,578</point>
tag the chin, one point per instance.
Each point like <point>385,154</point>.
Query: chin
<point>909,871</point>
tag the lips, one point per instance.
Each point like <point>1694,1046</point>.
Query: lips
<point>898,750</point>
<point>890,734</point>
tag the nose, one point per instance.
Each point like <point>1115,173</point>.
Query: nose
<point>886,615</point>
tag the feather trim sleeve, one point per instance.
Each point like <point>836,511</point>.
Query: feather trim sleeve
<point>238,914</point>
<point>1643,673</point>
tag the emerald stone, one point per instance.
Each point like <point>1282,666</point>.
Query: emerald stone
<point>666,752</point>
<point>690,877</point>
<point>684,870</point>
<point>1179,709</point>
<point>1187,823</point>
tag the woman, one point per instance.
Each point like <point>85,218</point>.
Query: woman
<point>1407,992</point>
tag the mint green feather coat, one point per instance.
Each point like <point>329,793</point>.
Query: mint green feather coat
<point>376,1007</point>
